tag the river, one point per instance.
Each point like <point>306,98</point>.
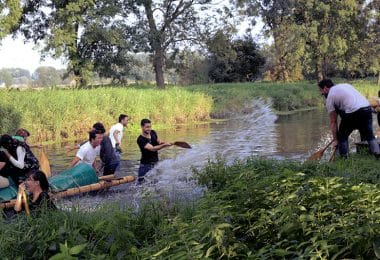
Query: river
<point>259,133</point>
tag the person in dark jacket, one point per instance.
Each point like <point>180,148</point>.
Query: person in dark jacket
<point>110,161</point>
<point>16,159</point>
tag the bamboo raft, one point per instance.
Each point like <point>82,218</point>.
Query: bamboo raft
<point>79,179</point>
<point>73,186</point>
<point>104,182</point>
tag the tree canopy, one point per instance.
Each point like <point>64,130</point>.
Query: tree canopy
<point>305,38</point>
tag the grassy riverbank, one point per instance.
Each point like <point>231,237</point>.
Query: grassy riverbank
<point>56,115</point>
<point>285,97</point>
<point>50,115</point>
<point>254,209</point>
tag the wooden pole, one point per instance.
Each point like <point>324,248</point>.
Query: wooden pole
<point>25,202</point>
<point>44,163</point>
<point>93,187</point>
<point>17,203</point>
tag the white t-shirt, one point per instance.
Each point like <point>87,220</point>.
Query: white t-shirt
<point>119,127</point>
<point>345,98</point>
<point>87,153</point>
<point>20,162</point>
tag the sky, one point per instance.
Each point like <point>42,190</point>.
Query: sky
<point>14,53</point>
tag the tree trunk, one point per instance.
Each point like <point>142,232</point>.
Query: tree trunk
<point>158,64</point>
<point>324,68</point>
<point>318,71</point>
<point>378,78</point>
<point>155,39</point>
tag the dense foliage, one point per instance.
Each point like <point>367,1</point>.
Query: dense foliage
<point>56,114</point>
<point>256,208</point>
<point>304,39</point>
<point>319,38</point>
<point>233,60</point>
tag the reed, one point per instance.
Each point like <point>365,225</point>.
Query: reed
<point>233,98</point>
<point>56,114</point>
<point>67,114</point>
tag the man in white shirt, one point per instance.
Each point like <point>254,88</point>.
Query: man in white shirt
<point>87,152</point>
<point>116,133</point>
<point>355,113</point>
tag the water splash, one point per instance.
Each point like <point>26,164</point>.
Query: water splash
<point>243,136</point>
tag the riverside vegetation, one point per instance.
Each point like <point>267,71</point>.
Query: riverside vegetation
<point>257,209</point>
<point>58,115</point>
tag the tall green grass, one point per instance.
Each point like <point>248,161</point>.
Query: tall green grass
<point>56,114</point>
<point>285,97</point>
<point>52,114</point>
<point>258,209</point>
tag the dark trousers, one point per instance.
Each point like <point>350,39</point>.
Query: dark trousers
<point>111,167</point>
<point>362,121</point>
<point>144,169</point>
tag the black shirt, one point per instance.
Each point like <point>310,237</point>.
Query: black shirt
<point>148,157</point>
<point>43,202</point>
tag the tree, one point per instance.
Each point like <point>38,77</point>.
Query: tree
<point>6,77</point>
<point>10,12</point>
<point>46,76</point>
<point>191,66</point>
<point>288,45</point>
<point>65,27</point>
<point>318,36</point>
<point>363,54</point>
<point>165,24</point>
<point>233,60</point>
<point>249,60</point>
<point>331,30</point>
<point>108,50</point>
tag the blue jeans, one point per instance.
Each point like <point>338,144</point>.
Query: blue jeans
<point>361,120</point>
<point>118,158</point>
<point>144,169</point>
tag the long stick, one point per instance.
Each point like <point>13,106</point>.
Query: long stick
<point>44,163</point>
<point>332,157</point>
<point>25,202</point>
<point>17,203</point>
<point>93,187</point>
<point>318,154</point>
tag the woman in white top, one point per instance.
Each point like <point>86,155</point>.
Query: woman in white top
<point>16,160</point>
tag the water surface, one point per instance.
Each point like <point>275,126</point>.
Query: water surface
<point>260,133</point>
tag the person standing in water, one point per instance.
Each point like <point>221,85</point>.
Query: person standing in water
<point>90,150</point>
<point>116,133</point>
<point>149,145</point>
<point>355,113</point>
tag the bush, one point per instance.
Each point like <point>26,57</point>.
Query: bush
<point>259,209</point>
